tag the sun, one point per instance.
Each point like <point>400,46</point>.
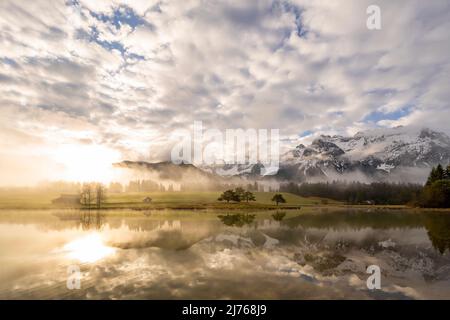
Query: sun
<point>87,162</point>
<point>88,249</point>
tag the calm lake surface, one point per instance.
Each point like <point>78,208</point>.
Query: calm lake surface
<point>315,254</point>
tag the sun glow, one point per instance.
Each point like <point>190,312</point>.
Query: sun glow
<point>87,162</point>
<point>88,249</point>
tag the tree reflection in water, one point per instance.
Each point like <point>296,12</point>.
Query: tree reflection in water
<point>92,220</point>
<point>237,220</point>
<point>279,215</point>
<point>438,229</point>
<point>436,224</point>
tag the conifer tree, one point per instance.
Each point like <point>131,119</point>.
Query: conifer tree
<point>447,173</point>
<point>432,177</point>
<point>440,172</point>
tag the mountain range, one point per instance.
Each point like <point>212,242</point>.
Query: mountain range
<point>398,154</point>
<point>395,154</point>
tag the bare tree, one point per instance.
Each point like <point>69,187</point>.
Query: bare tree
<point>87,195</point>
<point>100,196</point>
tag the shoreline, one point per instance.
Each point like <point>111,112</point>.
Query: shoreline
<point>234,208</point>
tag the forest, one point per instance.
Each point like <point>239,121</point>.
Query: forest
<point>434,194</point>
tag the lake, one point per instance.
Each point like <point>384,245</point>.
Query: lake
<point>307,254</point>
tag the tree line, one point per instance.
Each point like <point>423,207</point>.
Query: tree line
<point>147,185</point>
<point>381,193</point>
<point>434,194</point>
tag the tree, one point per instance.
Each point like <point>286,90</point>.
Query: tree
<point>239,192</point>
<point>440,172</point>
<point>248,196</point>
<point>436,174</point>
<point>134,186</point>
<point>431,177</point>
<point>100,194</point>
<point>115,187</point>
<point>87,195</point>
<point>436,195</point>
<point>278,198</point>
<point>229,195</point>
<point>447,173</point>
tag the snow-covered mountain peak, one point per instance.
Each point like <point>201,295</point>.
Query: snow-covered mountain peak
<point>374,153</point>
<point>396,154</point>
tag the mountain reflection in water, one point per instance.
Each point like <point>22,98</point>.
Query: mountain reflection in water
<point>282,254</point>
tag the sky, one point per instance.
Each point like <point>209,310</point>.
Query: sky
<point>87,83</point>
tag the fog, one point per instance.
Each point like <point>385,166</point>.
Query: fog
<point>43,174</point>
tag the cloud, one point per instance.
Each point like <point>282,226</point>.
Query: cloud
<point>127,73</point>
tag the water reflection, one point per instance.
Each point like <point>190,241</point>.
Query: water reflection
<point>438,229</point>
<point>88,248</point>
<point>279,215</point>
<point>436,224</point>
<point>237,220</point>
<point>291,255</point>
<point>92,219</point>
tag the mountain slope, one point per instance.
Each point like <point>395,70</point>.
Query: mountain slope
<point>167,170</point>
<point>397,154</point>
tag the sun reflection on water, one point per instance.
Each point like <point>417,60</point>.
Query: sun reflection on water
<point>88,249</point>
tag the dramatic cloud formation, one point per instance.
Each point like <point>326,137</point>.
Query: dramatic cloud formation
<point>113,79</point>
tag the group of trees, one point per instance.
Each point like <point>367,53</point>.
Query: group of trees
<point>93,195</point>
<point>237,195</point>
<point>357,192</point>
<point>436,192</point>
<point>438,173</point>
<point>147,186</point>
<point>220,185</point>
<point>139,186</point>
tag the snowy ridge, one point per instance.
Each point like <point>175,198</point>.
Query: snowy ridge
<point>375,154</point>
<point>398,154</point>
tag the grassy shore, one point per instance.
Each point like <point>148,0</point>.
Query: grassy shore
<point>36,200</point>
<point>162,200</point>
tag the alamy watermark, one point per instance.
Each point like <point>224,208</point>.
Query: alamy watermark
<point>232,146</point>
<point>73,277</point>
<point>374,19</point>
<point>374,280</point>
